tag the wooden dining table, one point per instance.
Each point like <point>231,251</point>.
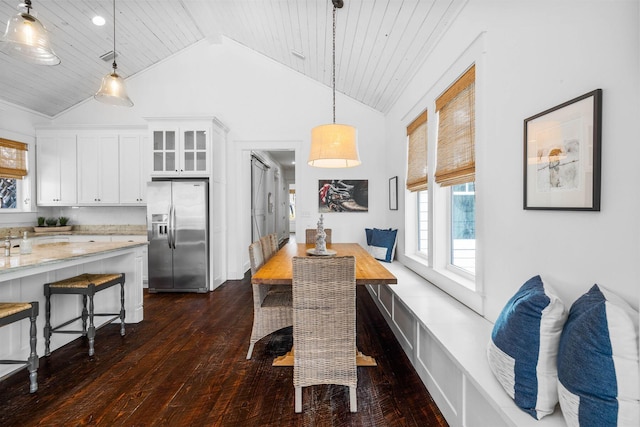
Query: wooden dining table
<point>278,270</point>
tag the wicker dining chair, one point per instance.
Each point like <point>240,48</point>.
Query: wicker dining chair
<point>272,308</point>
<point>256,256</point>
<point>267,247</point>
<point>273,238</point>
<point>324,324</point>
<point>310,235</point>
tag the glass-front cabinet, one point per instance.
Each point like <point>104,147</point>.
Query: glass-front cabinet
<point>195,150</point>
<point>181,149</point>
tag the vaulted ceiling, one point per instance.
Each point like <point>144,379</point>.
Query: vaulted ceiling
<point>379,43</point>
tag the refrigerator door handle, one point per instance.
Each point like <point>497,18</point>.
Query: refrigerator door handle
<point>173,226</point>
<point>170,220</point>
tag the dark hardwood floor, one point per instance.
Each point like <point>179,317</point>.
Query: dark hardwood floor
<point>184,365</point>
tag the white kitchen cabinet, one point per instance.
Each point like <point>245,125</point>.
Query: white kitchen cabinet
<point>134,170</point>
<point>92,166</point>
<point>181,147</point>
<point>98,171</point>
<point>56,170</point>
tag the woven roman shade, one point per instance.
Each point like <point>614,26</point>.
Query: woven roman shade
<point>455,158</point>
<point>417,154</point>
<point>13,159</point>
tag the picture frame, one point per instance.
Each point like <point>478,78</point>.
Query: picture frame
<point>562,150</point>
<point>342,195</point>
<point>393,193</point>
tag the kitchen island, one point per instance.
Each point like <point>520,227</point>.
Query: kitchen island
<point>22,278</point>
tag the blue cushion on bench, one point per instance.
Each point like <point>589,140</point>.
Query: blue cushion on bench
<point>381,243</point>
<point>598,362</point>
<point>523,348</point>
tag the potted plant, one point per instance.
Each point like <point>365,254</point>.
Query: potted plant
<point>63,220</point>
<point>51,222</point>
<point>41,221</point>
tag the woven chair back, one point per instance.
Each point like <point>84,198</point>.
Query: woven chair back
<point>273,239</point>
<point>324,321</point>
<point>256,257</point>
<point>310,235</point>
<point>267,248</point>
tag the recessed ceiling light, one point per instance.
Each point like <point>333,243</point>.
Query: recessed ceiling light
<point>98,20</point>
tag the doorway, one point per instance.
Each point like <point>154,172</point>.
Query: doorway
<point>272,177</point>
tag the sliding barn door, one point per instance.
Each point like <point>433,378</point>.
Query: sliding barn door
<point>258,199</point>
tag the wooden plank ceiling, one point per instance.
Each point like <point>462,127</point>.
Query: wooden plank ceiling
<point>379,43</point>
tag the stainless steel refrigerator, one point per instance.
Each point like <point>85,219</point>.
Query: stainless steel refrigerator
<point>177,227</point>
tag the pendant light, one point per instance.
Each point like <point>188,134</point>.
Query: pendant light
<point>334,145</point>
<point>112,90</point>
<point>27,39</point>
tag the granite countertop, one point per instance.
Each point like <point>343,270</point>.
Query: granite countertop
<point>51,253</point>
<point>110,229</point>
<point>93,230</point>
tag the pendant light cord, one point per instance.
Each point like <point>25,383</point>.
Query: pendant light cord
<point>115,66</point>
<point>333,78</point>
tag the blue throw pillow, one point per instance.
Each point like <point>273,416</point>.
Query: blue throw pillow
<point>368,232</point>
<point>598,382</point>
<point>524,345</point>
<point>381,243</point>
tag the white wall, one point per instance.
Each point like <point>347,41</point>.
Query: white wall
<point>530,57</point>
<point>266,106</point>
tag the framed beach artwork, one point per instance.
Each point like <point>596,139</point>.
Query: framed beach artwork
<point>562,147</point>
<point>341,195</point>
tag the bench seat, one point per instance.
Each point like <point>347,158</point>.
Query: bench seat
<point>446,343</point>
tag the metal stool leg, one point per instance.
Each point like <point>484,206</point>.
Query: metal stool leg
<point>91,333</point>
<point>47,316</point>
<point>122,313</point>
<point>33,357</point>
<point>84,315</point>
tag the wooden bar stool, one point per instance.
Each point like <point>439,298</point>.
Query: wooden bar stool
<point>12,312</point>
<point>86,285</point>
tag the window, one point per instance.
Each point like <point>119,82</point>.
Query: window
<point>8,193</point>
<point>455,167</point>
<point>423,223</point>
<point>13,167</point>
<point>463,227</point>
<point>417,177</point>
<point>441,240</point>
<point>292,204</point>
